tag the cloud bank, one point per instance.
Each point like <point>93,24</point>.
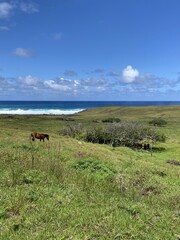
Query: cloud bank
<point>123,84</point>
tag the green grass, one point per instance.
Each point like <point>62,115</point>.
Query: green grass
<point>69,189</point>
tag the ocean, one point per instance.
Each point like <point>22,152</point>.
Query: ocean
<point>69,107</point>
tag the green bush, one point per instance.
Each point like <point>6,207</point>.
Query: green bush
<point>117,134</point>
<point>111,120</point>
<point>158,122</point>
<point>129,133</point>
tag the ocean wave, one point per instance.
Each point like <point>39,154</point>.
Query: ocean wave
<point>40,111</point>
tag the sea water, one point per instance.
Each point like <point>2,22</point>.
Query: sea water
<point>69,107</point>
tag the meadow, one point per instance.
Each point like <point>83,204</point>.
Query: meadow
<point>66,188</point>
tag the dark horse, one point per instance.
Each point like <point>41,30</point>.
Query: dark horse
<point>40,136</point>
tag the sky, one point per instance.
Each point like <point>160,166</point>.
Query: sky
<point>90,50</point>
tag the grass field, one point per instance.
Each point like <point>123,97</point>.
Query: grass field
<point>69,189</point>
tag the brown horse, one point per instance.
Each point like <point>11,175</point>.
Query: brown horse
<point>40,136</point>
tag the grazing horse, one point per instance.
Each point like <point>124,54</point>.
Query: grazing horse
<point>40,136</point>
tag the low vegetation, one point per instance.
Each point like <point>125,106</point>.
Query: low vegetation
<point>117,134</point>
<point>158,122</point>
<point>71,188</point>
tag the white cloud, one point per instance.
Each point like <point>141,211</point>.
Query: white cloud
<point>5,9</point>
<point>130,74</point>
<point>29,80</point>
<point>57,86</point>
<point>29,7</point>
<point>76,83</point>
<point>22,52</point>
<point>4,28</point>
<point>82,86</point>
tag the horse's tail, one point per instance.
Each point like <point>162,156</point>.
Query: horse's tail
<point>46,136</point>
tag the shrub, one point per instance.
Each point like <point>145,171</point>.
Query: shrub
<point>96,135</point>
<point>72,130</point>
<point>128,133</point>
<point>158,122</point>
<point>117,134</point>
<point>111,120</point>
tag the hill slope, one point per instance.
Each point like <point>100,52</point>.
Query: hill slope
<point>70,189</point>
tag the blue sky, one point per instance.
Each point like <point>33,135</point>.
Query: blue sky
<point>121,50</point>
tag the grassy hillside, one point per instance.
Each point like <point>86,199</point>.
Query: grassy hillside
<point>172,113</point>
<point>70,189</point>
